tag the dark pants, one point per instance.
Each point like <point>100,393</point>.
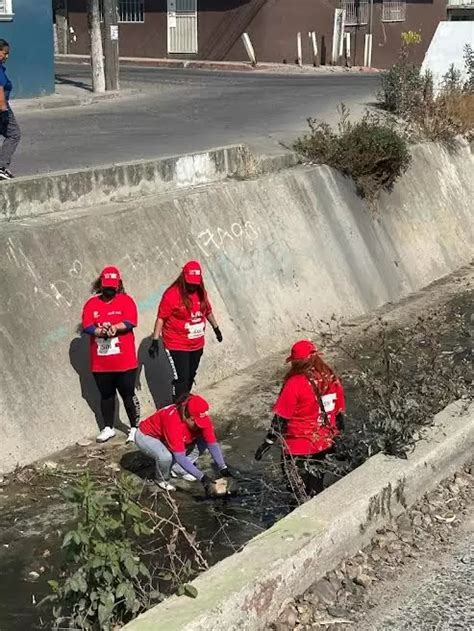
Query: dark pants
<point>184,365</point>
<point>12,138</point>
<point>295,470</point>
<point>123,382</point>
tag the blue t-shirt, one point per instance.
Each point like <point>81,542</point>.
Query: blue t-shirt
<point>5,82</point>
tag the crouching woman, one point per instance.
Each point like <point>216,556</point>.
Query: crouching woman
<point>175,436</point>
<point>309,414</point>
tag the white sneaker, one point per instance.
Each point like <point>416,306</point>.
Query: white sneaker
<point>106,434</point>
<point>185,476</point>
<point>166,486</point>
<point>131,435</point>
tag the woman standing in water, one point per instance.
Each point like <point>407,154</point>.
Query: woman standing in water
<point>309,414</point>
<point>181,322</point>
<point>109,317</point>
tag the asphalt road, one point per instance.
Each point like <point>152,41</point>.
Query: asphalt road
<point>179,111</point>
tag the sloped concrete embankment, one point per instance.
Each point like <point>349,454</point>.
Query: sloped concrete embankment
<point>246,591</point>
<point>275,249</point>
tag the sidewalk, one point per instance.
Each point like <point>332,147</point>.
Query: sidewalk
<point>223,66</point>
<point>69,96</point>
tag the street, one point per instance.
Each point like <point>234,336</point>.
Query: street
<point>181,111</point>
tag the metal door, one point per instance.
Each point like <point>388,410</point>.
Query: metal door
<point>182,26</point>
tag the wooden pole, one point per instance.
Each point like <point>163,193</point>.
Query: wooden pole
<point>97,54</point>
<point>111,44</point>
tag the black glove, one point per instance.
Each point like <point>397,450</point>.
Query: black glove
<point>154,349</point>
<point>340,422</point>
<point>208,483</point>
<point>218,333</point>
<point>262,450</point>
<point>4,120</point>
<point>229,472</point>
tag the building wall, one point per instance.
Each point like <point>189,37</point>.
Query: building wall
<point>30,34</point>
<point>273,26</point>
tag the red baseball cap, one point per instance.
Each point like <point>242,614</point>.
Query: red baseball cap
<point>110,277</point>
<point>303,349</point>
<point>192,273</point>
<point>198,409</point>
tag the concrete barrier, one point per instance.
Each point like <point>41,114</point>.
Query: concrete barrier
<point>277,250</point>
<point>245,591</point>
<point>37,195</point>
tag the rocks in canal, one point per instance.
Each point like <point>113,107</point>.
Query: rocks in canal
<point>325,591</point>
<point>341,597</point>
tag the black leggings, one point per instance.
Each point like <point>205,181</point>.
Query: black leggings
<point>123,382</point>
<point>314,481</point>
<point>184,365</point>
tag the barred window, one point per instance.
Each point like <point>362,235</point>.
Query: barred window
<point>6,8</point>
<point>357,12</point>
<point>131,10</point>
<point>393,11</point>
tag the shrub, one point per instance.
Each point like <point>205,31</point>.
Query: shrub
<point>449,115</point>
<point>114,569</point>
<point>469,65</point>
<point>104,579</point>
<point>371,151</point>
<point>404,87</point>
<point>408,93</point>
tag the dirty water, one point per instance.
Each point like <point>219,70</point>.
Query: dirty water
<point>34,516</point>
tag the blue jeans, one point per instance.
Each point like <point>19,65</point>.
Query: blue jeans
<point>156,449</point>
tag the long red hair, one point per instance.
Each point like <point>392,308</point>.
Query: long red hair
<point>180,283</point>
<point>313,368</point>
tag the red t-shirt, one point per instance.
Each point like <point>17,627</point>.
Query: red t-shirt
<point>183,329</point>
<point>306,432</point>
<point>167,425</point>
<point>113,354</point>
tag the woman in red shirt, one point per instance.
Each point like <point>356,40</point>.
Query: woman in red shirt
<point>181,322</point>
<point>175,436</point>
<point>109,317</point>
<point>309,414</point>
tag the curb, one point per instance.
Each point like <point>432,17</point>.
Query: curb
<point>246,590</point>
<point>151,62</point>
<point>66,190</point>
<point>57,102</point>
<point>232,66</point>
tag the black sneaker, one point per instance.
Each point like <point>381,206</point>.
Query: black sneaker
<point>5,174</point>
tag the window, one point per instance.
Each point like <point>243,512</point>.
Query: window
<point>393,11</point>
<point>6,10</point>
<point>357,12</point>
<point>131,10</point>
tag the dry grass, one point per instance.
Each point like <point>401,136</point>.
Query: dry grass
<point>445,117</point>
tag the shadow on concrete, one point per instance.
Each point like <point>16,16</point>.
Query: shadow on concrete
<point>157,373</point>
<point>80,361</point>
<point>62,80</point>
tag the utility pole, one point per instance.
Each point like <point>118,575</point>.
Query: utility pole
<point>111,44</point>
<point>97,54</point>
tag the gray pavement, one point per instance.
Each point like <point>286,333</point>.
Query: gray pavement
<point>438,596</point>
<point>180,111</point>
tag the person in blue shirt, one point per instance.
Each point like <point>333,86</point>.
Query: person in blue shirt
<point>9,128</point>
